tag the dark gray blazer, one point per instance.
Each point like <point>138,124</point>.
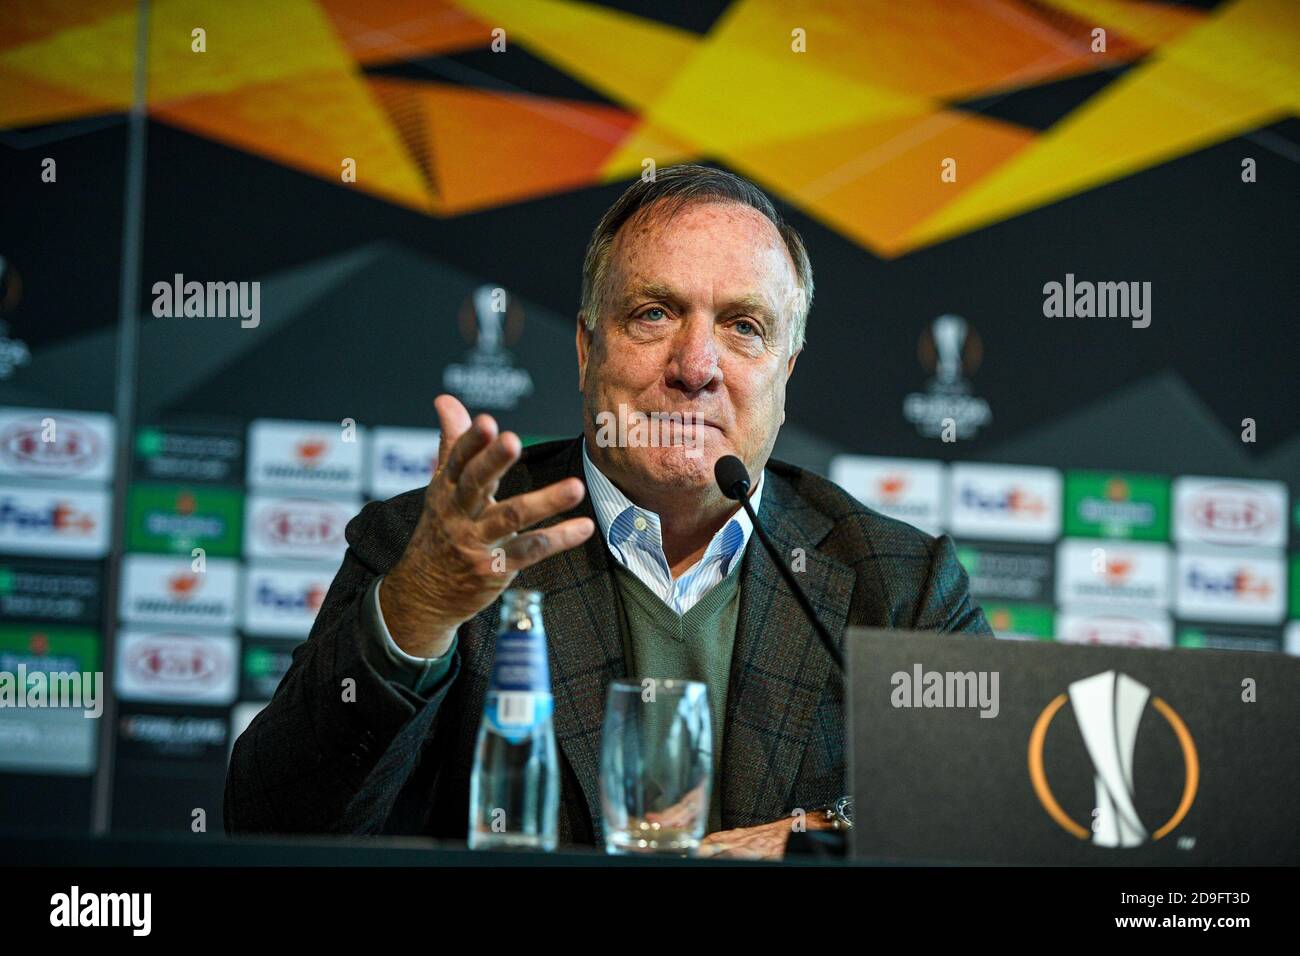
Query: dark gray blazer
<point>396,762</point>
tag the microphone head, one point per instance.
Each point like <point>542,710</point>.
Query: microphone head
<point>732,478</point>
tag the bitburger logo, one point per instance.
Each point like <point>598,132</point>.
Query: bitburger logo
<point>1108,708</point>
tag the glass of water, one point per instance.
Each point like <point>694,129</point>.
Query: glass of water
<point>656,766</point>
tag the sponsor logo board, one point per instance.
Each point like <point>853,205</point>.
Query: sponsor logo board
<point>1108,505</point>
<point>51,443</point>
<point>67,592</point>
<point>1008,572</point>
<point>1220,585</point>
<point>401,459</point>
<point>1096,571</point>
<point>188,454</point>
<point>282,602</point>
<point>1123,627</point>
<point>1004,502</point>
<point>176,667</point>
<point>1226,511</point>
<point>306,529</point>
<point>175,519</point>
<point>908,489</point>
<point>55,523</point>
<point>305,456</point>
<point>160,589</point>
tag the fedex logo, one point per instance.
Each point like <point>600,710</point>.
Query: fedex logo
<point>38,522</point>
<point>1214,586</point>
<point>998,501</point>
<point>1238,584</point>
<point>302,599</point>
<point>61,517</point>
<point>1011,501</point>
<point>404,458</point>
<point>283,602</point>
<point>416,470</point>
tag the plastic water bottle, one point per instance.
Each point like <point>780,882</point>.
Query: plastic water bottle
<point>514,793</point>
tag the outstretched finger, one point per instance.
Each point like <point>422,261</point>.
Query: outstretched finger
<point>481,433</point>
<point>482,474</point>
<point>505,518</point>
<point>529,548</point>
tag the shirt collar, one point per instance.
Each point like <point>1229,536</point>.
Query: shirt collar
<point>620,518</point>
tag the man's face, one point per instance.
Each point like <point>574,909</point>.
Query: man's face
<point>697,314</point>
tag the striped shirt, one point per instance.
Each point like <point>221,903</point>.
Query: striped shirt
<point>635,539</point>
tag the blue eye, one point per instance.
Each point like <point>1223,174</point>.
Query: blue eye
<point>650,313</point>
<point>742,325</point>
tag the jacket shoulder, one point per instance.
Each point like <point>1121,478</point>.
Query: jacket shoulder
<point>905,577</point>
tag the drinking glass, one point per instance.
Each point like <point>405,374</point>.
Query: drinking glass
<point>656,765</point>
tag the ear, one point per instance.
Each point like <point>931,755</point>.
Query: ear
<point>789,365</point>
<point>583,344</point>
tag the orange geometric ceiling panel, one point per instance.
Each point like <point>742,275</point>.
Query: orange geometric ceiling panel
<point>844,108</point>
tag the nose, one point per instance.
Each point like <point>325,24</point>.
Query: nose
<point>693,364</point>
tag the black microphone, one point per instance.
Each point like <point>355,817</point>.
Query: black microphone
<point>732,478</point>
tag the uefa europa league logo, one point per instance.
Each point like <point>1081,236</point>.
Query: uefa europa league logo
<point>949,332</point>
<point>490,318</point>
<point>1108,708</point>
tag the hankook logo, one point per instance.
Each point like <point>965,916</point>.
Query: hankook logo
<point>1108,708</point>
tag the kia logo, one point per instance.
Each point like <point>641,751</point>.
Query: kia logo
<point>74,448</point>
<point>1122,631</point>
<point>301,524</point>
<point>1228,509</point>
<point>184,664</point>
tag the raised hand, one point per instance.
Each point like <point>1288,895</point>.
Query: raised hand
<point>467,547</point>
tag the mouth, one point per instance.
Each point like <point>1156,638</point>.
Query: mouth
<point>701,423</point>
<point>660,428</point>
<point>697,430</point>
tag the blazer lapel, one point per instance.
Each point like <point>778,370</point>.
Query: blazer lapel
<point>580,612</point>
<point>779,668</point>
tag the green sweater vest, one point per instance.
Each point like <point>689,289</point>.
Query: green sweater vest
<point>697,645</point>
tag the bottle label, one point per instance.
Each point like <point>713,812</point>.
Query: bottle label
<point>519,696</point>
<point>514,714</point>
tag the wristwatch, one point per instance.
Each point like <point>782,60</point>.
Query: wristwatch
<point>840,814</point>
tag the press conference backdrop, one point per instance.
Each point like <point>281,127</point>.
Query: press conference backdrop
<point>399,197</point>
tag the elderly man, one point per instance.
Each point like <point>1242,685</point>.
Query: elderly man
<point>694,303</point>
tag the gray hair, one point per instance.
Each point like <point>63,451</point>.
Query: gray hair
<point>670,190</point>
